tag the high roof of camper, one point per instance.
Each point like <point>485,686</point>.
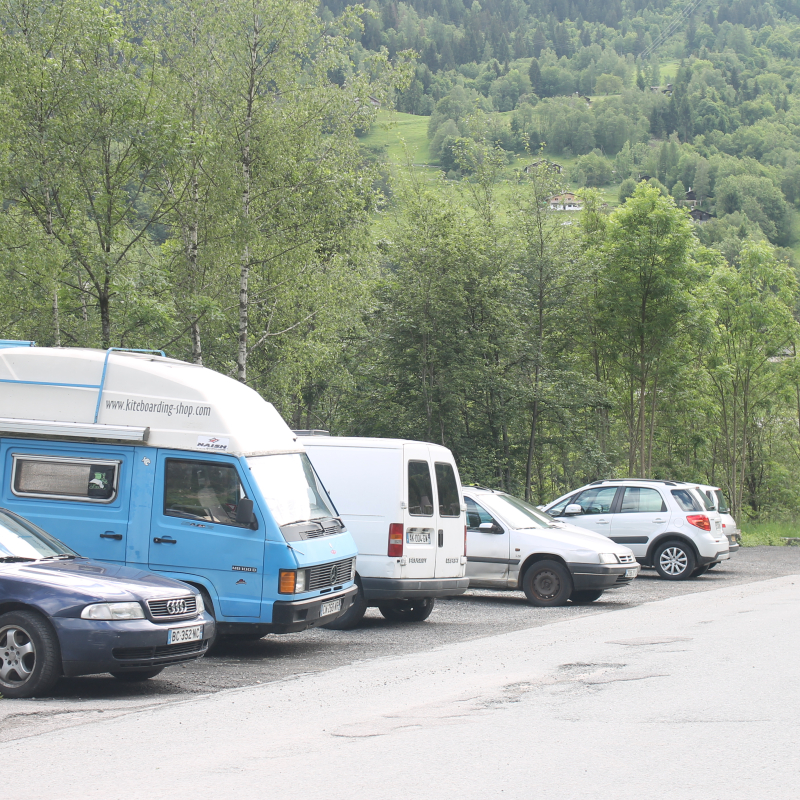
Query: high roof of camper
<point>176,404</point>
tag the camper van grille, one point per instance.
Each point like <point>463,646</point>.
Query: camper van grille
<point>160,609</point>
<point>330,574</point>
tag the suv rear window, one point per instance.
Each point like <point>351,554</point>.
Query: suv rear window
<point>638,499</point>
<point>447,488</point>
<point>687,501</point>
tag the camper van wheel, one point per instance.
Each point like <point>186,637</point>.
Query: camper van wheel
<point>352,617</point>
<point>137,675</point>
<point>30,659</point>
<point>407,610</point>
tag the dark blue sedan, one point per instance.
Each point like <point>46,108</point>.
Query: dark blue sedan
<point>61,614</point>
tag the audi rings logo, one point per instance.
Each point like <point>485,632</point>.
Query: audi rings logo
<point>333,574</point>
<point>177,606</point>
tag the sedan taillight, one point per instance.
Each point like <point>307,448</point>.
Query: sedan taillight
<point>699,521</point>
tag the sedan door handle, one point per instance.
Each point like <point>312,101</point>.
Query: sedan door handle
<point>157,540</point>
<point>111,535</point>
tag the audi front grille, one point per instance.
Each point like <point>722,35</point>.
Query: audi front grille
<point>173,608</point>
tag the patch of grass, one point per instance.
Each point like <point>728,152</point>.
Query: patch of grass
<point>394,128</point>
<point>769,533</point>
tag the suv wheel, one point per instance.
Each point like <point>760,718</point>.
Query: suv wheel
<point>30,658</point>
<point>674,561</point>
<point>547,583</point>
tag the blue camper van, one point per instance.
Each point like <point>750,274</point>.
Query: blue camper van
<point>134,458</point>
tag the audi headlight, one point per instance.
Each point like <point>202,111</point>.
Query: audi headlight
<point>198,598</point>
<point>609,558</point>
<point>113,611</point>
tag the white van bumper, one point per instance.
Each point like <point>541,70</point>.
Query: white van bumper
<point>407,588</point>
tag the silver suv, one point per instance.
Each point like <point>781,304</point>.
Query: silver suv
<point>666,524</point>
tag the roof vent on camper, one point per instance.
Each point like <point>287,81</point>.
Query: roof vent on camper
<point>312,432</point>
<point>16,343</point>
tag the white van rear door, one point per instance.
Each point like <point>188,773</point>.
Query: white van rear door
<point>449,517</point>
<point>421,521</point>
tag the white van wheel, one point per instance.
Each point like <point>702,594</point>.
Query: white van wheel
<point>352,617</point>
<point>407,610</point>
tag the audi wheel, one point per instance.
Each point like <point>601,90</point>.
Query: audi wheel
<point>30,657</point>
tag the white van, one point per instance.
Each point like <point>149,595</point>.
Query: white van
<point>401,501</point>
<point>729,526</point>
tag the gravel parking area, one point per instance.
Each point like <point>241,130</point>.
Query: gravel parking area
<point>479,613</point>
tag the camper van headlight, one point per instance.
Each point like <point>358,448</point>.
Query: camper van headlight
<point>110,611</point>
<point>609,558</point>
<point>301,582</point>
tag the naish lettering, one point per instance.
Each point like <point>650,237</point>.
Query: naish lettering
<point>161,407</point>
<point>215,443</point>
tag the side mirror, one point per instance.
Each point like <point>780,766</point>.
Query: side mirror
<point>244,512</point>
<point>490,527</point>
<point>573,508</point>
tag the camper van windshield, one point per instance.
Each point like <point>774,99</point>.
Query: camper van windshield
<point>291,488</point>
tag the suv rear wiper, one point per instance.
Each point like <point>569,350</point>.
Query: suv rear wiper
<point>14,559</point>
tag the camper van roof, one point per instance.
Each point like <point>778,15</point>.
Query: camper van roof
<point>135,396</point>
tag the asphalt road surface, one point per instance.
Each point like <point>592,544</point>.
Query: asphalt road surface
<point>692,696</point>
<point>476,615</point>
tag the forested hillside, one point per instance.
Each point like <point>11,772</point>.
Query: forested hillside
<point>213,180</point>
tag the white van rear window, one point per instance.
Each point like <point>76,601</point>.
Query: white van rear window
<point>447,488</point>
<point>65,478</point>
<point>420,489</point>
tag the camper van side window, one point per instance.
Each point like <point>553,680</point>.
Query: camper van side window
<point>446,486</point>
<point>420,489</point>
<point>65,478</point>
<point>202,490</point>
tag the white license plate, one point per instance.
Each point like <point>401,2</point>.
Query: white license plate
<point>180,635</point>
<point>330,607</point>
<point>631,573</point>
<point>418,536</point>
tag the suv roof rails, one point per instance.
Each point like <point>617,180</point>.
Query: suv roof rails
<point>477,486</point>
<point>640,480</point>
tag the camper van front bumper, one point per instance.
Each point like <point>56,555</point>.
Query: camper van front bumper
<point>290,616</point>
<point>407,588</point>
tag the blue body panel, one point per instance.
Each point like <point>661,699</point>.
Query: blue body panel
<point>237,566</point>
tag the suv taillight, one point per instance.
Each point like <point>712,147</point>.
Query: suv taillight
<point>396,539</point>
<point>699,521</point>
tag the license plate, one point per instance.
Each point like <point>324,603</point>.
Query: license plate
<point>418,535</point>
<point>631,573</point>
<point>180,635</point>
<point>330,607</point>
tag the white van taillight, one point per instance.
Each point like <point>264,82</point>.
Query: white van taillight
<point>465,540</point>
<point>396,539</point>
<point>699,521</point>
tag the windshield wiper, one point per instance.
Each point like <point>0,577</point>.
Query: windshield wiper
<point>14,559</point>
<point>60,555</point>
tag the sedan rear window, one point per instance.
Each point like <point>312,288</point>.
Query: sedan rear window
<point>687,501</point>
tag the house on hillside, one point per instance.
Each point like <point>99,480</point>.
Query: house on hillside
<point>552,166</point>
<point>691,198</point>
<point>566,201</point>
<point>698,215</point>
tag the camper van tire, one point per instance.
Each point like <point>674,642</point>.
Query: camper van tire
<point>547,583</point>
<point>138,675</point>
<point>415,610</point>
<point>353,616</point>
<point>40,659</point>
